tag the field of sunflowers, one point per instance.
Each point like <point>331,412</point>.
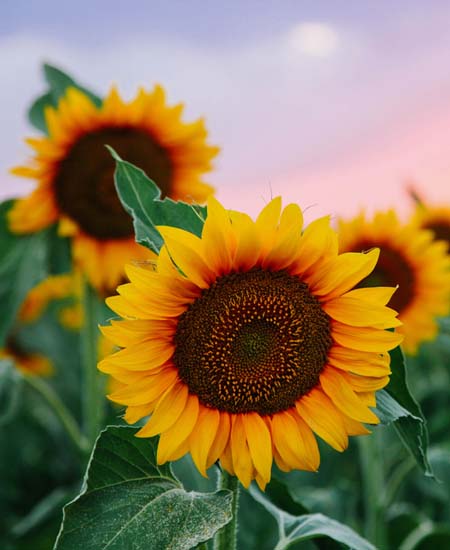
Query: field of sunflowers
<point>175,374</point>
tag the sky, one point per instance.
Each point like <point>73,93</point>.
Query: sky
<point>334,105</point>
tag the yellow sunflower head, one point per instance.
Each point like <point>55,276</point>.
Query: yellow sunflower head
<point>32,364</point>
<point>74,173</point>
<point>436,219</point>
<point>411,259</point>
<point>244,343</point>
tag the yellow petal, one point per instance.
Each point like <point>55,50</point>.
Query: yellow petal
<point>359,362</point>
<point>145,390</point>
<point>342,395</point>
<point>289,442</point>
<point>314,245</point>
<point>242,461</point>
<point>346,271</point>
<point>259,443</point>
<point>221,440</point>
<point>136,412</point>
<point>217,238</point>
<point>167,411</point>
<point>143,355</point>
<point>365,339</point>
<point>358,313</point>
<point>267,224</point>
<point>202,438</point>
<point>287,239</point>
<point>186,250</point>
<point>170,441</point>
<point>377,294</point>
<point>321,415</point>
<point>248,244</point>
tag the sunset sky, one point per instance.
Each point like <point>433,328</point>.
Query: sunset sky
<point>332,105</point>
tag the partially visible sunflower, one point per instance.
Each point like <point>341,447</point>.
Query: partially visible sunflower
<point>74,173</point>
<point>55,287</point>
<point>410,259</point>
<point>245,342</point>
<point>28,363</point>
<point>436,219</point>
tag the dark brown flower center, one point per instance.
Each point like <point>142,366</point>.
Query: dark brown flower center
<point>392,269</point>
<point>440,229</point>
<point>254,341</point>
<point>84,182</point>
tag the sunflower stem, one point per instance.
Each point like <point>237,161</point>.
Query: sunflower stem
<point>226,538</point>
<point>60,410</point>
<point>373,487</point>
<point>93,396</point>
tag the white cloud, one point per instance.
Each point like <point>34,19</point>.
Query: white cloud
<point>314,39</point>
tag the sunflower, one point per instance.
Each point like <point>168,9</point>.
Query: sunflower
<point>74,173</point>
<point>245,342</point>
<point>53,287</point>
<point>411,259</point>
<point>436,219</point>
<point>26,362</point>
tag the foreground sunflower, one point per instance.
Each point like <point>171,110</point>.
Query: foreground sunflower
<point>410,259</point>
<point>436,219</point>
<point>246,341</point>
<point>74,173</point>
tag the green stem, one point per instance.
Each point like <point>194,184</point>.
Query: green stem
<point>396,480</point>
<point>373,486</point>
<point>93,396</point>
<point>226,538</point>
<point>58,407</point>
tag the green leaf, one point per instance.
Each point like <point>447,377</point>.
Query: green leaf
<point>58,82</point>
<point>396,406</point>
<point>140,197</point>
<point>279,495</point>
<point>296,528</point>
<point>130,502</point>
<point>10,389</point>
<point>36,113</point>
<point>60,257</point>
<point>24,263</point>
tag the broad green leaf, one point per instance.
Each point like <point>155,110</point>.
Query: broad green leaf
<point>58,82</point>
<point>130,502</point>
<point>296,528</point>
<point>24,263</point>
<point>140,197</point>
<point>396,406</point>
<point>10,388</point>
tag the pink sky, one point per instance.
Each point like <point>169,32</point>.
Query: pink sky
<point>335,113</point>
